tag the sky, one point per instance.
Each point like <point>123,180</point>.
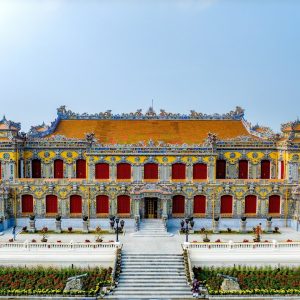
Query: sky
<point>91,56</point>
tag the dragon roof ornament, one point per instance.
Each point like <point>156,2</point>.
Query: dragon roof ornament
<point>291,125</point>
<point>9,125</point>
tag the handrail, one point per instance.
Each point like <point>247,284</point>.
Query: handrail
<point>61,246</point>
<point>242,245</point>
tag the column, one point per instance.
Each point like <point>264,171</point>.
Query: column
<point>91,171</point>
<point>211,170</point>
<point>164,208</point>
<point>189,172</point>
<point>113,205</point>
<point>113,172</point>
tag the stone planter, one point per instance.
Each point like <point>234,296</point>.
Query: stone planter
<point>243,226</point>
<point>216,225</point>
<point>32,228</point>
<point>85,226</point>
<point>269,227</point>
<point>58,226</point>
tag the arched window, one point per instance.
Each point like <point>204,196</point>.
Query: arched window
<point>274,204</point>
<point>178,204</point>
<point>123,171</point>
<point>250,204</point>
<point>51,204</point>
<point>151,171</point>
<point>199,204</point>
<point>75,204</point>
<point>243,169</point>
<point>221,169</point>
<point>58,168</point>
<point>27,204</point>
<point>102,204</point>
<point>265,169</point>
<point>80,168</point>
<point>102,171</point>
<point>226,204</point>
<point>123,202</point>
<point>36,168</point>
<point>199,171</point>
<point>178,171</point>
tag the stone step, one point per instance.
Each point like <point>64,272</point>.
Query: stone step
<point>152,298</point>
<point>154,288</point>
<point>151,265</point>
<point>153,281</point>
<point>151,293</point>
<point>127,254</point>
<point>150,284</point>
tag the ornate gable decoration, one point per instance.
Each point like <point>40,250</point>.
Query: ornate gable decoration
<point>9,125</point>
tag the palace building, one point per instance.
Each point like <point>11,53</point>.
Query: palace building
<point>152,165</point>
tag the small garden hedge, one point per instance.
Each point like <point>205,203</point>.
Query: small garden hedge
<point>252,280</point>
<point>50,281</point>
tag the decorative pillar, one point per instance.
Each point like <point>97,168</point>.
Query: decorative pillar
<point>164,208</point>
<point>113,172</point>
<point>211,170</point>
<point>113,205</point>
<point>91,171</point>
<point>189,172</point>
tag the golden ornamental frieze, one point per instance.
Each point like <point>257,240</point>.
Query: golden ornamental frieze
<point>69,156</point>
<point>189,190</point>
<point>232,157</point>
<point>294,157</point>
<point>263,191</point>
<point>63,191</point>
<point>8,156</point>
<point>239,191</point>
<point>38,191</point>
<point>255,157</point>
<point>46,156</point>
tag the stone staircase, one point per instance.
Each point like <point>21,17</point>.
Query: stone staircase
<point>152,276</point>
<point>152,228</point>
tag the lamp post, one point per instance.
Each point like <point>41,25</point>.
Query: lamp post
<point>115,220</point>
<point>188,221</point>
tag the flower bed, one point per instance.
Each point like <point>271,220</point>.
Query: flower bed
<point>252,280</point>
<point>50,281</point>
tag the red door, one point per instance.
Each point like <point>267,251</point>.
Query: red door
<point>51,204</point>
<point>274,204</point>
<point>81,168</point>
<point>250,204</point>
<point>178,204</point>
<point>27,204</point>
<point>123,171</point>
<point>226,204</point>
<point>265,169</point>
<point>151,171</point>
<point>102,171</point>
<point>123,202</point>
<point>221,169</point>
<point>75,204</point>
<point>243,169</point>
<point>178,171</point>
<point>36,168</point>
<point>58,168</point>
<point>199,171</point>
<point>102,204</point>
<point>199,204</point>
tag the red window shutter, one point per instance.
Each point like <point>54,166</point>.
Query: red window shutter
<point>102,204</point>
<point>27,204</point>
<point>36,168</point>
<point>51,204</point>
<point>250,204</point>
<point>81,168</point>
<point>200,171</point>
<point>178,204</point>
<point>58,168</point>
<point>226,204</point>
<point>199,204</point>
<point>123,171</point>
<point>282,169</point>
<point>123,202</point>
<point>75,204</point>
<point>243,169</point>
<point>151,171</point>
<point>221,169</point>
<point>265,169</point>
<point>102,171</point>
<point>274,204</point>
<point>178,171</point>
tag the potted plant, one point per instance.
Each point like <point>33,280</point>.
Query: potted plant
<point>58,217</point>
<point>24,229</point>
<point>85,218</point>
<point>44,234</point>
<point>32,217</point>
<point>206,239</point>
<point>98,239</point>
<point>243,219</point>
<point>276,229</point>
<point>70,229</point>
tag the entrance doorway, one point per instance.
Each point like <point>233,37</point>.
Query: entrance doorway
<point>151,208</point>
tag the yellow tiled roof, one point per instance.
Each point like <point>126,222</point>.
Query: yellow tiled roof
<point>169,131</point>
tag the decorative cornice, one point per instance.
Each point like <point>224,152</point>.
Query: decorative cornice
<point>65,114</point>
